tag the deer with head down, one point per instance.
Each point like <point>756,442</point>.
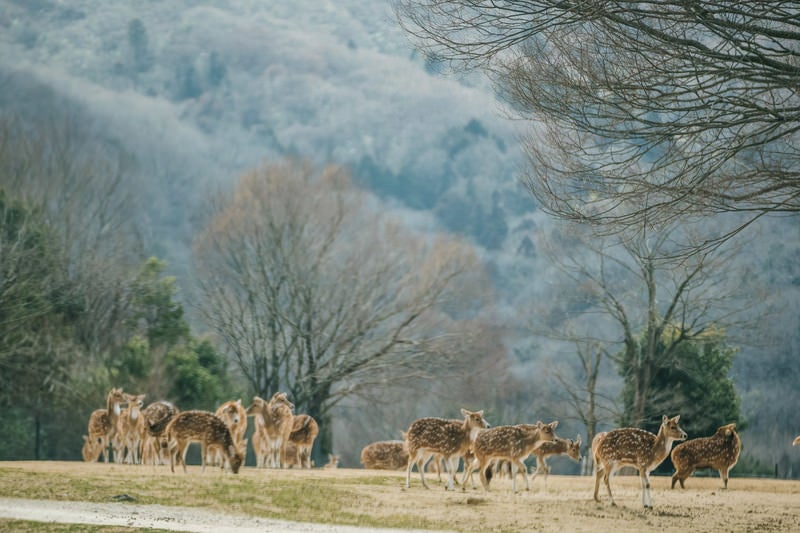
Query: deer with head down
<point>512,444</point>
<point>447,438</point>
<point>719,451</point>
<point>633,447</point>
<point>203,427</point>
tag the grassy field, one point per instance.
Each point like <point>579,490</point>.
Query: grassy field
<point>376,498</point>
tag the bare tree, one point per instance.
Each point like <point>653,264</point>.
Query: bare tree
<point>314,292</point>
<point>646,112</point>
<point>641,307</point>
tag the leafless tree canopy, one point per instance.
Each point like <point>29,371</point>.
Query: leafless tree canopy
<point>315,293</point>
<point>648,111</point>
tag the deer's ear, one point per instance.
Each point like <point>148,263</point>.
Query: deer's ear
<point>578,440</point>
<point>677,418</point>
<point>554,424</point>
<point>664,419</point>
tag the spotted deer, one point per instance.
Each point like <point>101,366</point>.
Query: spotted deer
<point>385,455</point>
<point>273,421</point>
<point>633,447</point>
<point>235,417</point>
<point>103,422</point>
<point>570,448</point>
<point>130,429</point>
<point>203,427</point>
<point>155,418</point>
<point>90,451</point>
<point>450,439</point>
<point>719,451</point>
<point>511,443</point>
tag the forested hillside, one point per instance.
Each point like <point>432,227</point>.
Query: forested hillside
<point>180,99</point>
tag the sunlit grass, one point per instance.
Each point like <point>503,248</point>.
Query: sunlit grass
<point>285,495</point>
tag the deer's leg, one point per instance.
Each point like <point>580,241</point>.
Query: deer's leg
<point>412,459</point>
<point>467,473</point>
<point>597,474</point>
<point>482,472</point>
<point>607,481</point>
<point>647,499</point>
<point>723,473</point>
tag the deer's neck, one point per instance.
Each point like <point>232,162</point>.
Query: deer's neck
<point>112,408</point>
<point>661,446</point>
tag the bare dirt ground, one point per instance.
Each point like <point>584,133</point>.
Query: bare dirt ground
<point>565,505</point>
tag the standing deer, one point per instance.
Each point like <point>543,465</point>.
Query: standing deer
<point>203,427</point>
<point>570,448</point>
<point>274,421</point>
<point>510,443</point>
<point>450,439</point>
<point>130,429</point>
<point>103,422</point>
<point>633,447</point>
<point>719,451</point>
<point>385,455</point>
<point>155,418</point>
<point>304,432</point>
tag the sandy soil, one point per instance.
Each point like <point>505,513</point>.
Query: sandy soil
<point>565,505</point>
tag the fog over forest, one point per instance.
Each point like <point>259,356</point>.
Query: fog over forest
<point>195,94</point>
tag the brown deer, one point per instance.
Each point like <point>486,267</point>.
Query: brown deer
<point>155,418</point>
<point>304,432</point>
<point>103,422</point>
<point>719,451</point>
<point>130,429</point>
<point>385,455</point>
<point>203,427</point>
<point>633,447</point>
<point>570,448</point>
<point>274,421</point>
<point>511,443</point>
<point>450,439</point>
<point>90,450</point>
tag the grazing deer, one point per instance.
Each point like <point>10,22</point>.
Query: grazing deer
<point>90,450</point>
<point>203,427</point>
<point>103,422</point>
<point>570,448</point>
<point>304,432</point>
<point>155,418</point>
<point>235,417</point>
<point>511,443</point>
<point>385,455</point>
<point>333,461</point>
<point>633,447</point>
<point>130,429</point>
<point>274,421</point>
<point>450,439</point>
<point>719,451</point>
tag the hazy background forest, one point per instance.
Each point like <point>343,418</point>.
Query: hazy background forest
<point>207,201</point>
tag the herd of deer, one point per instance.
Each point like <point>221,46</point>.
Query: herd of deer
<point>160,433</point>
<point>283,439</point>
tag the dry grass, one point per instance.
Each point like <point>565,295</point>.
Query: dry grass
<point>371,498</point>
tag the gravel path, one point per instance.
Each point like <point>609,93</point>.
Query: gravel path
<point>157,516</point>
